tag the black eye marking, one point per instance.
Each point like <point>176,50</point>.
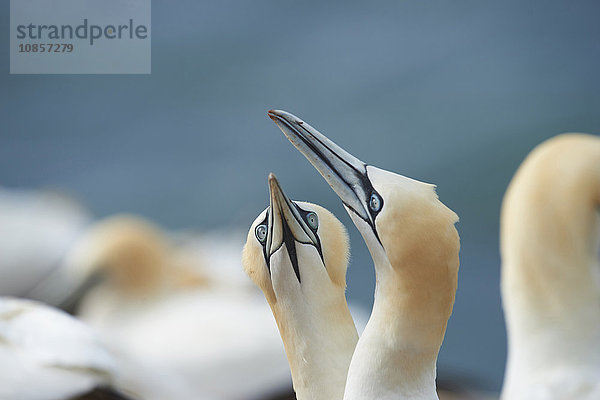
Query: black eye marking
<point>265,223</point>
<point>375,205</point>
<point>305,215</point>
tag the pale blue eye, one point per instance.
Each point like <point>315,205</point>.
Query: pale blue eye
<point>261,233</point>
<point>375,202</point>
<point>312,220</point>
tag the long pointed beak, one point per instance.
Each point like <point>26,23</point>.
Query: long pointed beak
<point>346,174</point>
<point>64,290</point>
<point>286,225</point>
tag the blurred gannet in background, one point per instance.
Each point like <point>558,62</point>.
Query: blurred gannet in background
<point>414,245</point>
<point>161,304</point>
<point>550,228</point>
<point>45,354</point>
<point>132,265</point>
<point>37,229</point>
<point>297,253</point>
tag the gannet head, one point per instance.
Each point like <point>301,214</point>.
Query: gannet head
<point>130,253</point>
<point>549,228</point>
<point>291,242</point>
<point>297,254</point>
<point>409,232</point>
<point>128,256</point>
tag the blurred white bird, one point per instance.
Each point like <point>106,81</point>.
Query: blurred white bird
<point>38,227</point>
<point>45,354</point>
<point>550,239</point>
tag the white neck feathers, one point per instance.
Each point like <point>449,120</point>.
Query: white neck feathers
<point>318,347</point>
<point>417,270</point>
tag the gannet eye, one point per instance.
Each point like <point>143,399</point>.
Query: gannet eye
<point>375,202</point>
<point>261,233</point>
<point>312,220</point>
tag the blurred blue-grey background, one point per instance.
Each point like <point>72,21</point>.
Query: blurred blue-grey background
<point>453,93</point>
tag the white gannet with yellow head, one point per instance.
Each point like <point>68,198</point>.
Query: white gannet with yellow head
<point>550,239</point>
<point>116,266</point>
<point>297,253</point>
<point>414,246</point>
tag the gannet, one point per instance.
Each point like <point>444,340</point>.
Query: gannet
<point>550,236</point>
<point>297,253</point>
<point>166,310</point>
<point>46,354</point>
<point>414,245</point>
<point>132,265</point>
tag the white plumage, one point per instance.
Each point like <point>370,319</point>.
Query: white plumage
<point>46,354</point>
<point>38,227</point>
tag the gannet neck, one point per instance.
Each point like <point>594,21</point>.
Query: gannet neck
<point>391,361</point>
<point>550,228</point>
<point>304,283</point>
<point>416,264</point>
<point>318,334</point>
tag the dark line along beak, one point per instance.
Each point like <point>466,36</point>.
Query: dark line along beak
<point>59,289</point>
<point>286,226</point>
<point>346,174</point>
<point>71,303</point>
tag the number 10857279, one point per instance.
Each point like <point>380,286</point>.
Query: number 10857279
<point>45,48</point>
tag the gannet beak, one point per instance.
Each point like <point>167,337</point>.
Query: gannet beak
<point>286,225</point>
<point>64,290</point>
<point>73,299</point>
<point>346,174</point>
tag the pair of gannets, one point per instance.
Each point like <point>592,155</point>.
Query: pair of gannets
<point>297,254</point>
